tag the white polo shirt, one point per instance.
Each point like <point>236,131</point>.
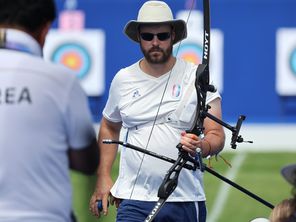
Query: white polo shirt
<point>43,112</point>
<point>134,99</point>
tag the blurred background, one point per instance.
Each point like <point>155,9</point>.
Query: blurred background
<point>253,63</point>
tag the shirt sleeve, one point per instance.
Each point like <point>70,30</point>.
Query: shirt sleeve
<point>79,125</point>
<point>212,95</point>
<point>111,110</point>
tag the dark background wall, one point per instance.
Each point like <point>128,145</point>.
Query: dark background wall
<point>249,28</point>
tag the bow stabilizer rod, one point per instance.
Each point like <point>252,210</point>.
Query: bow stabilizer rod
<point>171,179</point>
<point>142,150</point>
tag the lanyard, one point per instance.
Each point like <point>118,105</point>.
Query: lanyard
<point>13,45</point>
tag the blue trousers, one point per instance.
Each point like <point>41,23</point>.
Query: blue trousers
<point>137,211</point>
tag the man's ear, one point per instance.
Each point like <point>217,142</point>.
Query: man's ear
<point>138,35</point>
<point>173,35</point>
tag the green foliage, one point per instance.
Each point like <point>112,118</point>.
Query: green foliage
<point>259,173</point>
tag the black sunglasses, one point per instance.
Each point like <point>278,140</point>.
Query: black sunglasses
<point>162,36</point>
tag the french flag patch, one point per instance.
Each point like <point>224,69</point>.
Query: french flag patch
<point>176,90</point>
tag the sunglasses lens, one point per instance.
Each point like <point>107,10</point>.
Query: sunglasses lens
<point>147,36</point>
<point>161,36</point>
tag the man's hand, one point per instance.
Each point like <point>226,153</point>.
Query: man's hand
<point>190,142</point>
<point>102,193</point>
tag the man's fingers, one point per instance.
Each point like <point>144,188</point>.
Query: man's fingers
<point>112,200</point>
<point>93,206</point>
<point>105,204</point>
<point>117,202</point>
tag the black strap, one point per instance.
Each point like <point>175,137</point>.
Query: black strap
<point>2,38</point>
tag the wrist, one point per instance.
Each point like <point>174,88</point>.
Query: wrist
<point>103,173</point>
<point>207,149</point>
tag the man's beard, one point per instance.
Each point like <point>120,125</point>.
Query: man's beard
<point>163,58</point>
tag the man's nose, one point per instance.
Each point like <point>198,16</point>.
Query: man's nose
<point>155,40</point>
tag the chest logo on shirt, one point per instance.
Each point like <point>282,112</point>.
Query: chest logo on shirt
<point>176,91</point>
<point>136,94</point>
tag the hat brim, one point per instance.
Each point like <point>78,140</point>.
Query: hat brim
<point>260,219</point>
<point>132,27</point>
<point>289,173</point>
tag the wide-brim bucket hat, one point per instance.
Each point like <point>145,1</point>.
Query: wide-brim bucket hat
<point>289,173</point>
<point>156,12</point>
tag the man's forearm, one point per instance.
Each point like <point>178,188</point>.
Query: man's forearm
<point>108,152</point>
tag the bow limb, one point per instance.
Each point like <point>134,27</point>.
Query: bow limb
<point>202,77</point>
